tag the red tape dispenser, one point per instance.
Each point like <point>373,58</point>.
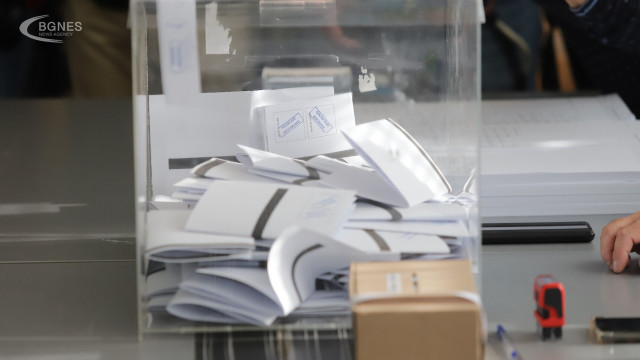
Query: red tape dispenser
<point>549,296</point>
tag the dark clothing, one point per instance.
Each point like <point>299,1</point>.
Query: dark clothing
<point>604,35</point>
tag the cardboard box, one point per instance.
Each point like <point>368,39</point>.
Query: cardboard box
<point>411,310</point>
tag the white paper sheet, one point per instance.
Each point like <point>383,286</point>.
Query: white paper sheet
<point>264,210</point>
<point>400,160</point>
<point>442,228</point>
<point>371,241</point>
<point>166,234</point>
<point>211,126</point>
<point>307,128</point>
<point>577,110</point>
<point>194,307</point>
<point>299,255</point>
<point>226,170</point>
<point>422,212</point>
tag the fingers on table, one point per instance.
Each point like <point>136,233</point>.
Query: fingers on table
<point>625,239</point>
<point>609,234</point>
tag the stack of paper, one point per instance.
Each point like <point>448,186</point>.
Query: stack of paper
<point>575,164</point>
<point>272,236</point>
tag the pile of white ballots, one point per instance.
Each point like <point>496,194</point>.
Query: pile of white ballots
<point>250,241</point>
<point>578,156</point>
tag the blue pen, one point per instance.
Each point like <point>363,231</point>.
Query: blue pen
<point>509,350</point>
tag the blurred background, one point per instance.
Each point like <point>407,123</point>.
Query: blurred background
<point>522,51</point>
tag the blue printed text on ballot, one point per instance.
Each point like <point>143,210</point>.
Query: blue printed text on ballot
<point>316,115</point>
<point>290,124</point>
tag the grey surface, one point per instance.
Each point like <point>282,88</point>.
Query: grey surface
<point>591,289</point>
<point>68,278</point>
<point>66,152</point>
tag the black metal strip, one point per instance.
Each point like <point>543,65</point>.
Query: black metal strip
<point>395,214</point>
<point>190,163</point>
<point>295,263</point>
<point>266,213</point>
<point>378,239</point>
<point>204,168</point>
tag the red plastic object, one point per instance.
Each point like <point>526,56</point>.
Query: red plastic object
<point>548,294</point>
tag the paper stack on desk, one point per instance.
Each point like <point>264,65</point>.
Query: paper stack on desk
<point>272,236</point>
<point>561,165</point>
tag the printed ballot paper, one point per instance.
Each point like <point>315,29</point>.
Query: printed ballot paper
<point>259,296</point>
<point>400,160</point>
<point>277,167</point>
<point>272,236</point>
<point>262,211</point>
<point>307,128</point>
<point>300,255</point>
<point>167,239</point>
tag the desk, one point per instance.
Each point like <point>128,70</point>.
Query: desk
<point>591,289</point>
<point>72,295</point>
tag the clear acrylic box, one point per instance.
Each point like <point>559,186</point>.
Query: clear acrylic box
<point>201,66</point>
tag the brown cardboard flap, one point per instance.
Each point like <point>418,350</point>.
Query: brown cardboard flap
<point>417,277</point>
<point>416,310</point>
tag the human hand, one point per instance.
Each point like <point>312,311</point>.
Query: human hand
<point>575,3</point>
<point>618,239</point>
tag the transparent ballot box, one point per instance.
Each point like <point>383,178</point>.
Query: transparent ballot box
<point>277,142</point>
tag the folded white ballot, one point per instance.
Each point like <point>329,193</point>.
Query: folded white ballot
<point>195,307</point>
<point>258,296</point>
<point>307,128</point>
<point>371,211</point>
<point>276,167</point>
<point>400,160</point>
<point>162,279</point>
<point>225,170</point>
<point>325,303</point>
<point>300,255</point>
<point>366,182</point>
<point>372,241</point>
<point>242,293</point>
<point>262,211</point>
<point>191,184</point>
<point>441,228</point>
<point>167,239</point>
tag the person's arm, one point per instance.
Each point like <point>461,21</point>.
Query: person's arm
<point>618,239</point>
<point>615,23</point>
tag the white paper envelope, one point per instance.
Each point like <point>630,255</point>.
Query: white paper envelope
<point>372,241</point>
<point>309,127</point>
<point>263,210</point>
<point>399,159</point>
<point>166,238</point>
